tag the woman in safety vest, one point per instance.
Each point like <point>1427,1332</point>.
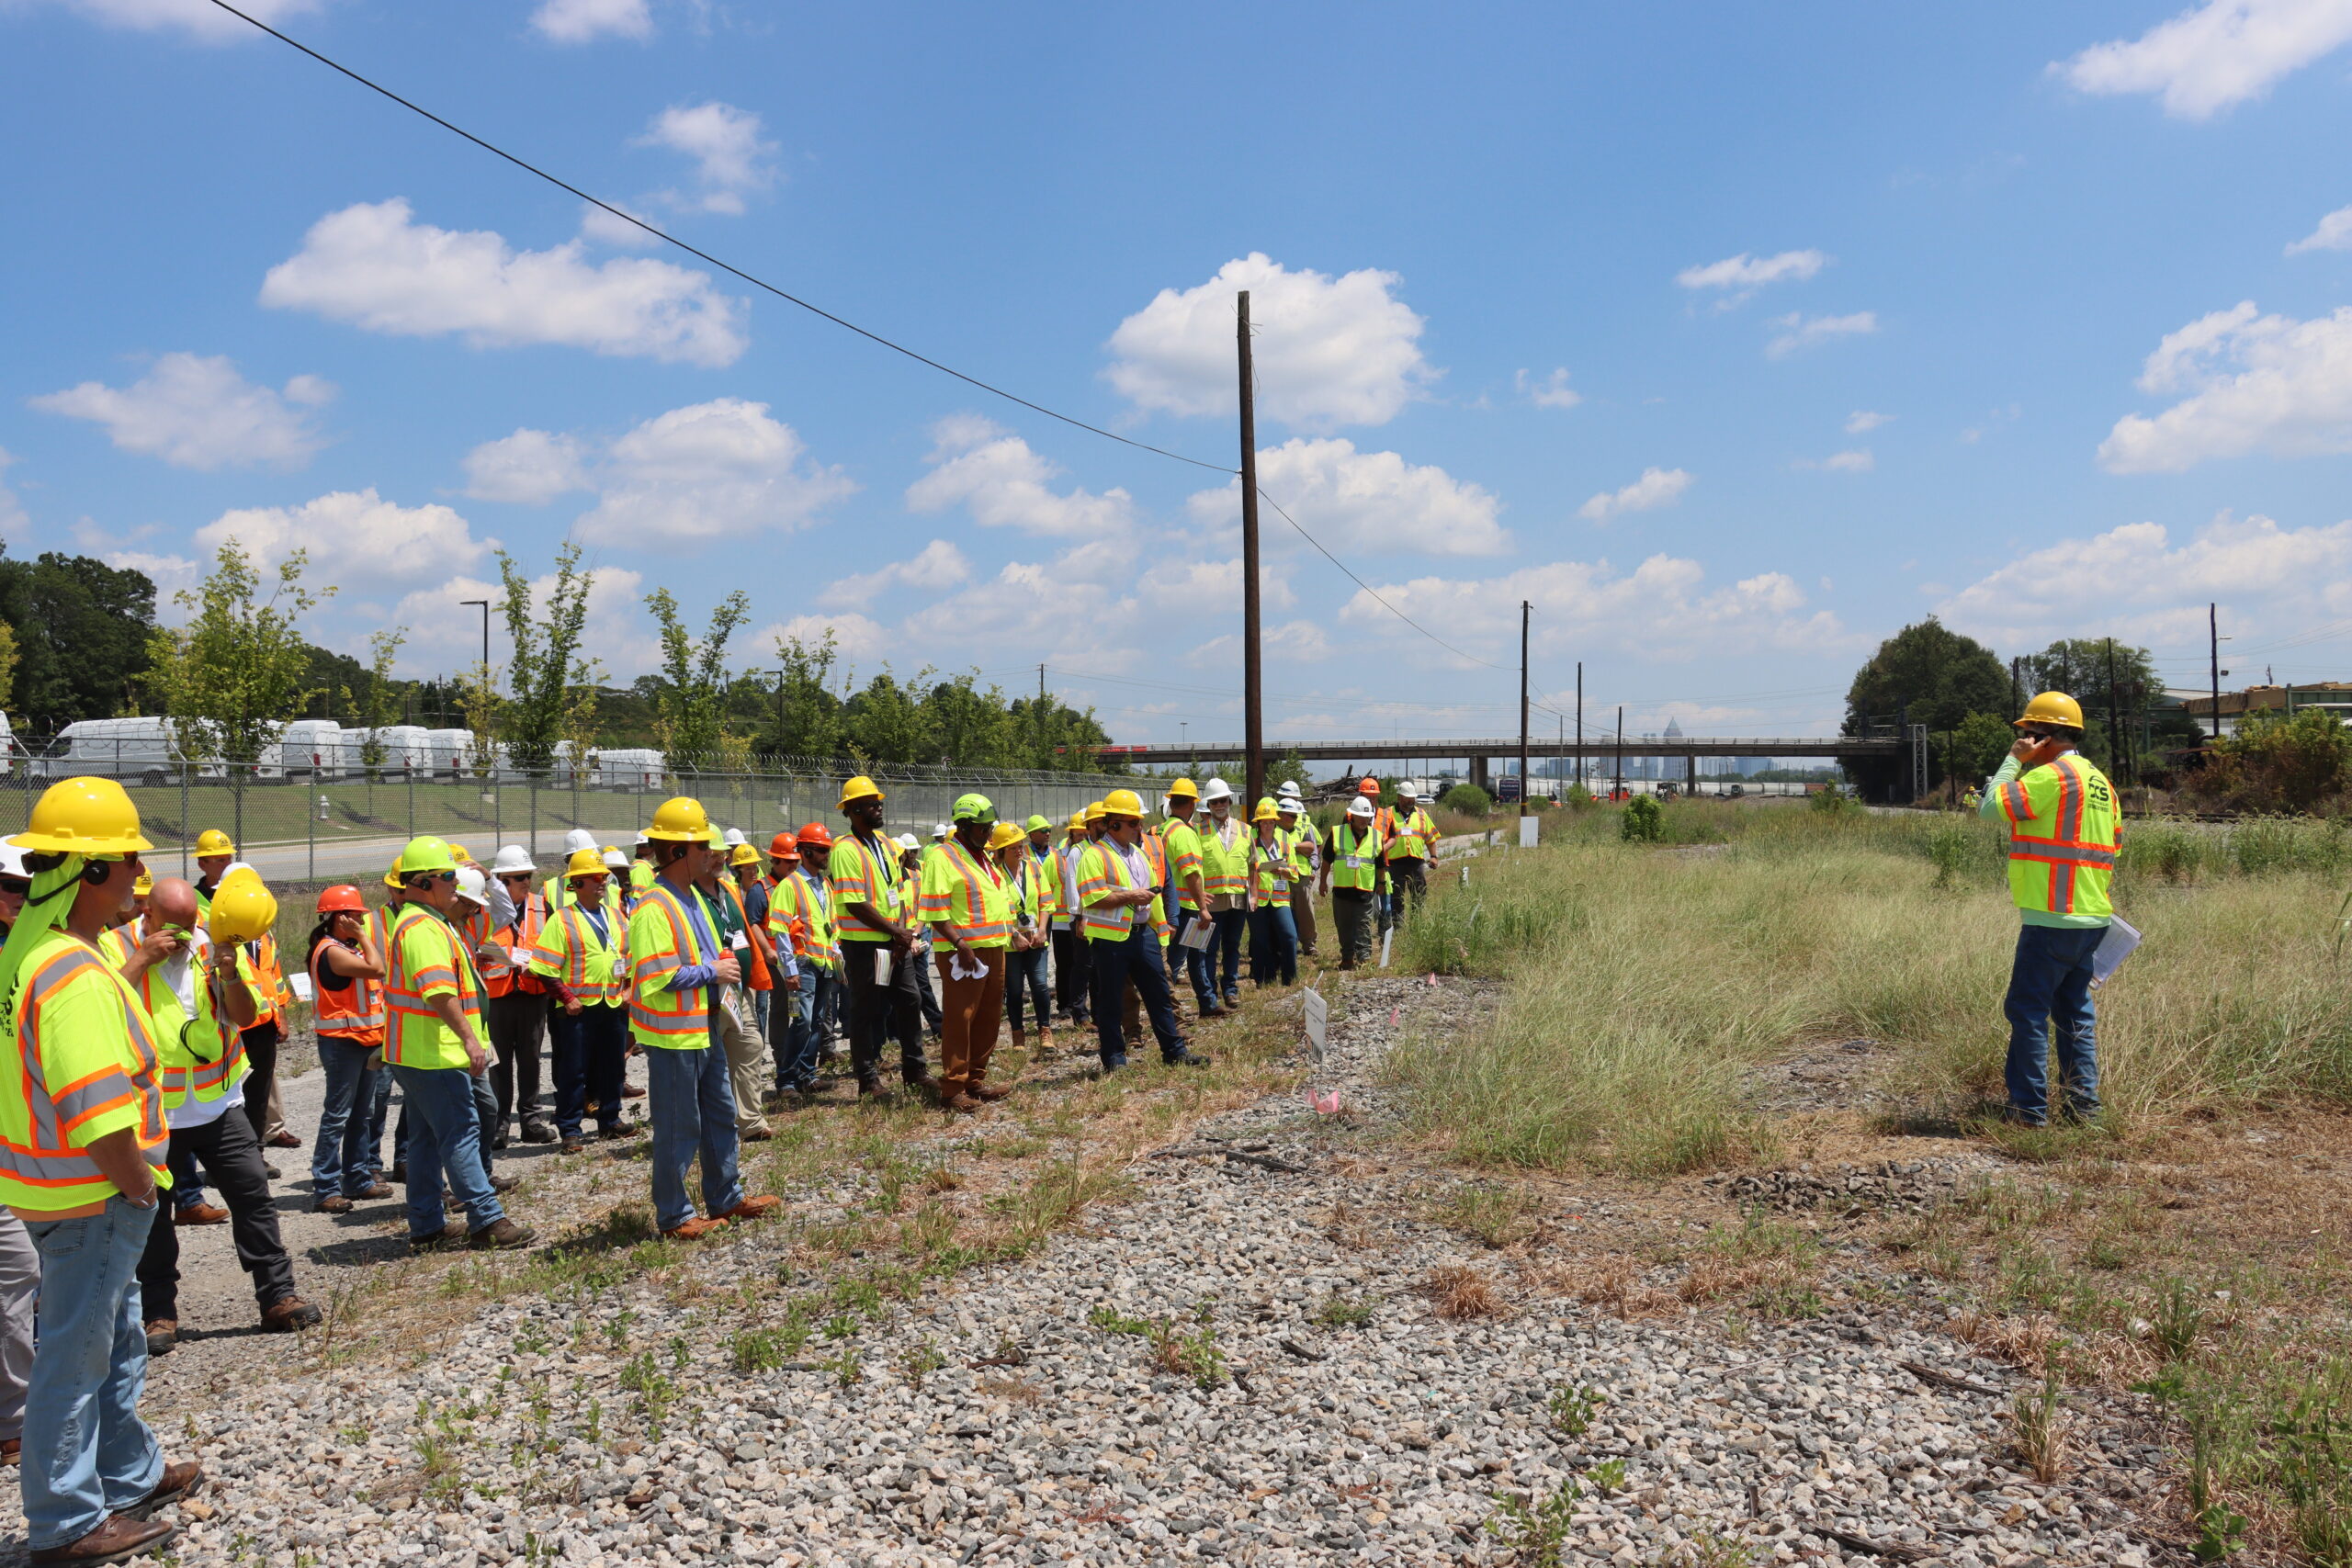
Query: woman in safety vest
<point>1274,937</point>
<point>1033,908</point>
<point>347,1012</point>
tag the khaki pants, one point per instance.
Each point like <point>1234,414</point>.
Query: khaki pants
<point>1302,913</point>
<point>746,1057</point>
<point>971,1012</point>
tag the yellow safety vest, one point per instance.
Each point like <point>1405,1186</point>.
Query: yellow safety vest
<point>1409,835</point>
<point>425,960</point>
<point>1101,868</point>
<point>1355,858</point>
<point>588,965</point>
<point>86,1066</point>
<point>972,896</point>
<point>661,942</point>
<point>859,875</point>
<point>2062,838</point>
<point>1226,871</point>
<point>1269,869</point>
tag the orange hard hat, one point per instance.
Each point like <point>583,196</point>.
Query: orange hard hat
<point>815,833</point>
<point>784,846</point>
<point>341,897</point>
<point>1369,786</point>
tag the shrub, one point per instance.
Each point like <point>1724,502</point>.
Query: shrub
<point>2278,764</point>
<point>1643,821</point>
<point>1466,798</point>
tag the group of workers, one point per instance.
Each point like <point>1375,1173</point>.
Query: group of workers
<point>147,1012</point>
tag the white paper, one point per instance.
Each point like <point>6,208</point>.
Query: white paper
<point>1196,935</point>
<point>881,964</point>
<point>300,981</point>
<point>1386,938</point>
<point>1319,1018</point>
<point>742,942</point>
<point>2113,949</point>
<point>1527,832</point>
<point>957,969</point>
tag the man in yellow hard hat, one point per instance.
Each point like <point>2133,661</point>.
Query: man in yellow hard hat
<point>582,958</point>
<point>873,920</point>
<point>215,853</point>
<point>82,1114</point>
<point>1073,988</point>
<point>2063,838</point>
<point>968,900</point>
<point>1122,919</point>
<point>1189,883</point>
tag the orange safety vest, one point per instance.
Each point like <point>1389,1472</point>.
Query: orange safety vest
<point>272,994</point>
<point>356,1012</point>
<point>755,972</point>
<point>520,934</point>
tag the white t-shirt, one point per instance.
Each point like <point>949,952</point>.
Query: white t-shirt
<point>179,973</point>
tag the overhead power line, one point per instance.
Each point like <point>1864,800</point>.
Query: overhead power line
<point>843,322</point>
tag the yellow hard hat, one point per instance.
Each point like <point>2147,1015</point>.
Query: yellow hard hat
<point>859,788</point>
<point>237,874</point>
<point>1185,789</point>
<point>213,842</point>
<point>1078,821</point>
<point>241,911</point>
<point>424,853</point>
<point>2052,707</point>
<point>680,819</point>
<point>1122,803</point>
<point>1266,811</point>
<point>1005,833</point>
<point>144,887</point>
<point>744,855</point>
<point>84,816</point>
<point>1094,810</point>
<point>460,855</point>
<point>584,863</point>
<point>392,874</point>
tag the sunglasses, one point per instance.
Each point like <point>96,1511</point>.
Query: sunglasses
<point>15,885</point>
<point>514,877</point>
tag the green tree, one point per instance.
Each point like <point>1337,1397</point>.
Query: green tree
<point>232,677</point>
<point>690,702</point>
<point>7,663</point>
<point>885,723</point>
<point>1926,674</point>
<point>1976,749</point>
<point>810,721</point>
<point>82,631</point>
<point>2080,668</point>
<point>2276,763</point>
<point>545,671</point>
<point>969,728</point>
<point>1288,768</point>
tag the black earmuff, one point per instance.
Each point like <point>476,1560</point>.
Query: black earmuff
<point>97,871</point>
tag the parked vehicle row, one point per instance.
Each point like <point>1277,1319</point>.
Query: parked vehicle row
<point>145,751</point>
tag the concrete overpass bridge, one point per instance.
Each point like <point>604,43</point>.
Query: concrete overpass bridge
<point>1482,752</point>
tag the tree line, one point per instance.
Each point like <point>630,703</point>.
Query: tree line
<point>80,639</point>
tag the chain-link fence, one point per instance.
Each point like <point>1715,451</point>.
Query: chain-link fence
<point>306,823</point>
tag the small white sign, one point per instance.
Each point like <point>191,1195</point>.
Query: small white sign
<point>1318,1022</point>
<point>300,981</point>
<point>1387,938</point>
<point>1527,832</point>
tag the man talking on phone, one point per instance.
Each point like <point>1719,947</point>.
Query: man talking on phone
<point>2063,841</point>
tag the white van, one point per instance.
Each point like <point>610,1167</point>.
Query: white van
<point>143,750</point>
<point>634,768</point>
<point>311,748</point>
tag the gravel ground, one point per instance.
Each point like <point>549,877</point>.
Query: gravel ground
<point>1245,1360</point>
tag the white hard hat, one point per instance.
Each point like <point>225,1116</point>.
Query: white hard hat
<point>909,841</point>
<point>473,885</point>
<point>579,838</point>
<point>511,857</point>
<point>734,837</point>
<point>1215,789</point>
<point>614,859</point>
<point>1290,787</point>
<point>938,830</point>
<point>1288,803</point>
<point>1359,806</point>
<point>12,860</point>
<point>1407,792</point>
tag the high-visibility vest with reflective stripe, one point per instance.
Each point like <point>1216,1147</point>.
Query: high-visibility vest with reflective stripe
<point>521,934</point>
<point>207,1058</point>
<point>86,1066</point>
<point>798,909</point>
<point>1304,843</point>
<point>1154,853</point>
<point>356,1012</point>
<point>1032,892</point>
<point>1269,869</point>
<point>756,974</point>
<point>1181,841</point>
<point>2062,838</point>
<point>973,897</point>
<point>661,942</point>
<point>593,968</point>
<point>426,952</point>
<point>1224,869</point>
<point>1355,858</point>
<point>272,994</point>
<point>1101,868</point>
<point>1409,833</point>
<point>857,873</point>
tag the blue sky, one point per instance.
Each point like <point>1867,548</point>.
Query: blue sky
<point>1732,337</point>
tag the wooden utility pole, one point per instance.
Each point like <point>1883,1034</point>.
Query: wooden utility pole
<point>2213,636</point>
<point>1523,609</point>
<point>2115,759</point>
<point>1580,722</point>
<point>1618,788</point>
<point>1253,736</point>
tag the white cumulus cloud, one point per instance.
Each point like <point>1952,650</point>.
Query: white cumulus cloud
<point>445,632</point>
<point>1371,501</point>
<point>2254,383</point>
<point>1328,351</point>
<point>1745,271</point>
<point>707,472</point>
<point>939,565</point>
<point>1656,488</point>
<point>1862,420</point>
<point>529,468</point>
<point>731,159</point>
<point>356,539</point>
<point>1551,392</point>
<point>197,413</point>
<point>1857,461</point>
<point>995,477</point>
<point>2155,590</point>
<point>373,266</point>
<point>2215,55</point>
<point>858,638</point>
<point>584,21</point>
<point>2334,233</point>
<point>1797,331</point>
<point>199,18</point>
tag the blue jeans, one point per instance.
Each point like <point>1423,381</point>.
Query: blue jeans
<point>1217,968</point>
<point>446,1135</point>
<point>1137,957</point>
<point>796,1057</point>
<point>379,1109</point>
<point>86,1452</point>
<point>589,1052</point>
<point>693,1109</point>
<point>1274,946</point>
<point>2050,981</point>
<point>341,1160</point>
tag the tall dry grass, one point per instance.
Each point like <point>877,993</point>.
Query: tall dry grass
<point>1646,981</point>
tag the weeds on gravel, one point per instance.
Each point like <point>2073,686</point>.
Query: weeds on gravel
<point>1342,1312</point>
<point>919,1361</point>
<point>1460,1293</point>
<point>655,1391</point>
<point>848,1368</point>
<point>1495,1215</point>
<point>2036,1419</point>
<point>1707,1550</point>
<point>1572,1407</point>
<point>757,1349</point>
<point>1196,1354</point>
<point>1536,1527</point>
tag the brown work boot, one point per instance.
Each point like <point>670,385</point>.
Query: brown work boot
<point>754,1208</point>
<point>176,1481</point>
<point>1021,1040</point>
<point>333,1203</point>
<point>162,1333</point>
<point>991,1092</point>
<point>573,1145</point>
<point>283,1141</point>
<point>447,1236</point>
<point>200,1214</point>
<point>374,1190</point>
<point>868,1085</point>
<point>12,1450</point>
<point>502,1235</point>
<point>757,1135</point>
<point>693,1229</point>
<point>113,1542</point>
<point>960,1104</point>
<point>286,1316</point>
